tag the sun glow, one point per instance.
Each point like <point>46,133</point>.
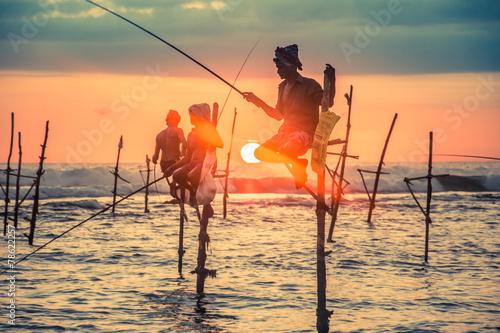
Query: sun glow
<point>247,152</point>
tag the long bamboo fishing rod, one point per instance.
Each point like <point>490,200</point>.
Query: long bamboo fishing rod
<point>172,46</point>
<point>86,220</point>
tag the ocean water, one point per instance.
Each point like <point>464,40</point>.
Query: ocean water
<point>118,272</point>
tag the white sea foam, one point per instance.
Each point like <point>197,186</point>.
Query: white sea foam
<point>96,180</point>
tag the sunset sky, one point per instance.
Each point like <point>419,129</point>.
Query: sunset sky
<point>95,77</point>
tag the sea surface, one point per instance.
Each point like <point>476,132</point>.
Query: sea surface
<point>118,272</point>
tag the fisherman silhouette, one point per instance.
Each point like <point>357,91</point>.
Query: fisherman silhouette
<point>298,104</point>
<point>186,172</point>
<point>169,142</point>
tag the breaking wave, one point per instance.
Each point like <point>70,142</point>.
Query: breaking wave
<point>91,181</point>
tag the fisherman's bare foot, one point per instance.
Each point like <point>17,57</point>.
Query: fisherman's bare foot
<point>192,200</point>
<point>208,210</point>
<point>173,191</point>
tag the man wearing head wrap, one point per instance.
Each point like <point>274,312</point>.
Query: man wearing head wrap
<point>187,171</point>
<point>169,142</point>
<point>298,104</point>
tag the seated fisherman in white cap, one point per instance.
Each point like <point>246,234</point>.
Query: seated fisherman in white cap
<point>187,171</point>
<point>298,104</point>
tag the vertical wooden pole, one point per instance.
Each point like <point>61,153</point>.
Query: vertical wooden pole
<point>379,170</point>
<point>120,145</point>
<point>7,199</point>
<point>429,198</point>
<point>181,251</point>
<point>226,178</point>
<point>36,198</point>
<point>203,238</point>
<point>18,180</point>
<point>322,314</point>
<point>148,171</point>
<point>342,169</point>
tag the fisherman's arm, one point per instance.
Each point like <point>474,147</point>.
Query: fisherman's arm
<point>157,151</point>
<point>182,162</point>
<point>269,110</point>
<point>183,141</point>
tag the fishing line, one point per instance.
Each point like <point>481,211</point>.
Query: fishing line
<point>86,220</point>
<point>156,186</point>
<point>230,90</point>
<point>172,46</point>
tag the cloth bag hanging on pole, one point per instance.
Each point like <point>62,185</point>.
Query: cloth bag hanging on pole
<point>207,187</point>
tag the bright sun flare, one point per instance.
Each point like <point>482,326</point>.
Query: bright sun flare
<point>247,152</point>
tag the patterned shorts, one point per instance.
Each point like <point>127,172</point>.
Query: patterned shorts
<point>290,141</point>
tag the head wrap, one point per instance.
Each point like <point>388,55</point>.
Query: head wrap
<point>288,55</point>
<point>201,110</point>
<point>173,117</point>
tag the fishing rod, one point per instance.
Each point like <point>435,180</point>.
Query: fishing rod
<point>172,46</point>
<point>86,220</point>
<point>471,156</point>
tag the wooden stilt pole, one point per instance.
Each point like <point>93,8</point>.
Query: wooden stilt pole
<point>379,171</point>
<point>7,171</point>
<point>427,211</point>
<point>429,198</point>
<point>322,314</point>
<point>226,178</point>
<point>18,180</point>
<point>342,169</point>
<point>148,172</point>
<point>182,214</point>
<point>36,198</point>
<point>203,238</point>
<point>115,173</point>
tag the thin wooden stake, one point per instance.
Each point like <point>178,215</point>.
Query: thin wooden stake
<point>427,211</point>
<point>379,171</point>
<point>7,199</point>
<point>18,180</point>
<point>148,171</point>
<point>429,198</point>
<point>226,180</point>
<point>120,145</point>
<point>182,214</point>
<point>342,169</point>
<point>36,198</point>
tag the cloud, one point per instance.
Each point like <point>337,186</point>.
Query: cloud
<point>424,37</point>
<point>194,5</point>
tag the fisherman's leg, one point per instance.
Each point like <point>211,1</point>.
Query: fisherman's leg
<point>297,145</point>
<point>266,154</point>
<point>269,150</point>
<point>194,180</point>
<point>180,176</point>
<point>164,166</point>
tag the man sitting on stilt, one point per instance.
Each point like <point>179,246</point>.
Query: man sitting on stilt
<point>298,104</point>
<point>187,171</point>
